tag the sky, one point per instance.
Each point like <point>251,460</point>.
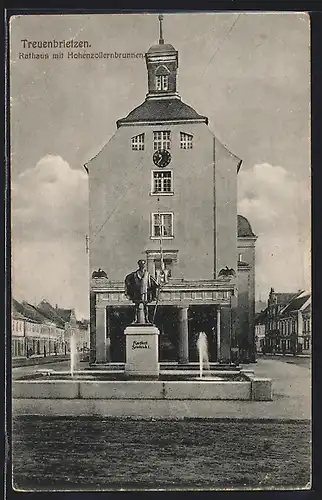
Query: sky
<point>248,72</point>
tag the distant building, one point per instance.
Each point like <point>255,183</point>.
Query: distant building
<point>18,332</point>
<point>83,335</point>
<point>286,323</point>
<point>44,330</point>
<point>295,325</point>
<point>70,322</point>
<point>260,332</point>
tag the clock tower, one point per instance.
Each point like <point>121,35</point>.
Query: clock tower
<point>162,65</point>
<point>164,189</point>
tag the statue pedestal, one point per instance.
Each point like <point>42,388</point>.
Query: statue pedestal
<point>142,350</point>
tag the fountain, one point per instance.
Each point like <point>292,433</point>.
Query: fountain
<point>142,386</point>
<point>112,392</point>
<point>202,346</point>
<point>73,354</point>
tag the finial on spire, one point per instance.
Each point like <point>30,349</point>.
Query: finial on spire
<point>161,40</point>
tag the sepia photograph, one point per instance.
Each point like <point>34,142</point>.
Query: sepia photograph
<point>160,329</point>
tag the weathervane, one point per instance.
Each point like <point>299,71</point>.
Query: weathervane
<point>161,40</point>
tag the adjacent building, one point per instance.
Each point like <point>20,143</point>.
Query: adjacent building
<point>260,331</point>
<point>286,323</point>
<point>18,332</point>
<point>83,335</point>
<point>44,330</point>
<point>164,180</point>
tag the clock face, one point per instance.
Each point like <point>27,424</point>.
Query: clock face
<point>161,158</point>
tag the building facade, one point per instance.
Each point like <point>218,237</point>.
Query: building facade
<point>260,331</point>
<point>18,334</point>
<point>44,330</point>
<point>164,180</point>
<point>83,335</point>
<point>286,323</point>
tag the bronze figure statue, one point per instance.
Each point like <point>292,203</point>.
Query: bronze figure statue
<point>141,288</point>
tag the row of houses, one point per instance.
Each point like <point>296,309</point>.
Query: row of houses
<point>285,325</point>
<point>44,330</point>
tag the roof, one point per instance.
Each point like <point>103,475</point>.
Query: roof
<point>31,313</point>
<point>295,304</point>
<point>15,313</point>
<point>83,324</point>
<point>161,47</point>
<point>242,263</point>
<point>260,317</point>
<point>43,312</point>
<point>51,313</point>
<point>65,314</point>
<point>16,310</point>
<point>244,228</point>
<point>284,298</point>
<point>161,110</point>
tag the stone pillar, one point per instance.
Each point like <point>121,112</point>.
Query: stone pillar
<point>299,330</point>
<point>183,336</point>
<point>218,334</point>
<point>225,334</point>
<point>100,333</point>
<point>142,350</point>
<point>108,335</point>
<point>92,335</point>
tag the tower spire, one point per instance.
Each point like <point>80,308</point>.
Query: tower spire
<point>161,40</point>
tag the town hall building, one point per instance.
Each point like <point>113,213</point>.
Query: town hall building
<point>164,189</point>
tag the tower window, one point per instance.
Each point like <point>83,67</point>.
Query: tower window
<point>161,140</point>
<point>185,140</point>
<point>162,225</point>
<point>137,142</point>
<point>162,182</point>
<point>162,82</point>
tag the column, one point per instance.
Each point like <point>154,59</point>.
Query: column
<point>92,334</point>
<point>299,330</point>
<point>108,336</point>
<point>100,333</point>
<point>218,334</point>
<point>225,333</point>
<point>183,336</point>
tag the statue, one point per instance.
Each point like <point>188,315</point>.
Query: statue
<point>99,274</point>
<point>226,273</point>
<point>141,288</point>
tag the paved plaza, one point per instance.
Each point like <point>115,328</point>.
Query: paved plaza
<point>249,444</point>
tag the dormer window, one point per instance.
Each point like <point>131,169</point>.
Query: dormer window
<point>137,142</point>
<point>185,140</point>
<point>161,139</point>
<point>162,82</point>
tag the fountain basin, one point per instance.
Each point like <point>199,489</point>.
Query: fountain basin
<point>135,398</point>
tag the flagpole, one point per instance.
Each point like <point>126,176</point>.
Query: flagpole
<point>161,248</point>
<point>161,261</point>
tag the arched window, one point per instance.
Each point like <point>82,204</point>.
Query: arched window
<point>162,78</point>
